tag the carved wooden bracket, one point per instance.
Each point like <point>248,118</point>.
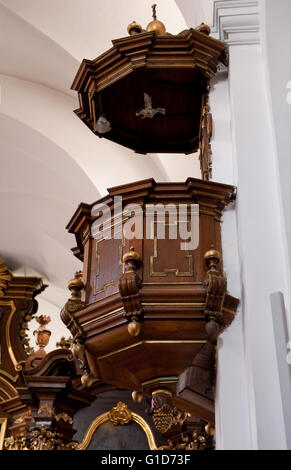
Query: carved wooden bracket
<point>129,286</point>
<point>73,305</point>
<point>216,290</point>
<point>205,138</point>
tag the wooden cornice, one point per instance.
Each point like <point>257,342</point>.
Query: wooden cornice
<point>149,190</point>
<point>189,49</point>
<point>24,287</point>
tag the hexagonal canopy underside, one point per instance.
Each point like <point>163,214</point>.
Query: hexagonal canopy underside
<point>149,88</point>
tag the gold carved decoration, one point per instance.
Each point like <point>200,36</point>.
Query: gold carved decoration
<point>5,277</point>
<point>7,332</point>
<point>120,415</point>
<point>42,333</point>
<point>26,416</point>
<point>3,426</point>
<point>205,138</point>
<point>45,409</point>
<point>64,416</point>
<point>198,440</point>
<point>165,415</point>
<point>38,439</point>
<point>65,343</point>
<point>24,336</point>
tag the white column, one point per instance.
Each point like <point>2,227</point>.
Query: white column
<point>249,405</point>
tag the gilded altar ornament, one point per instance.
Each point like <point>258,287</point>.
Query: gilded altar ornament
<point>118,420</point>
<point>64,343</point>
<point>199,439</point>
<point>155,25</point>
<point>42,333</point>
<point>18,442</point>
<point>5,277</point>
<point>120,414</point>
<point>64,417</point>
<point>38,439</point>
<point>45,409</point>
<point>21,419</point>
<point>25,341</point>
<point>3,427</point>
<point>196,441</point>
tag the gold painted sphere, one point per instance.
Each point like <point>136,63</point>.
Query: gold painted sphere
<point>137,396</point>
<point>210,429</point>
<point>132,254</point>
<point>87,380</point>
<point>212,253</point>
<point>134,28</point>
<point>157,26</point>
<point>134,328</point>
<point>204,28</point>
<point>77,282</point>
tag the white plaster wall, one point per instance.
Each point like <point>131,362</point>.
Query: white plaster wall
<point>276,40</point>
<point>232,413</point>
<point>260,241</point>
<point>248,109</point>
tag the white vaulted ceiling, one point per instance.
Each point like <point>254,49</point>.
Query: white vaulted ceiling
<point>50,161</point>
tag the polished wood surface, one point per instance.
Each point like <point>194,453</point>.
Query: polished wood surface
<point>175,300</point>
<point>173,72</point>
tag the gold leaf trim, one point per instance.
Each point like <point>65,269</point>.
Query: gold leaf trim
<point>107,417</point>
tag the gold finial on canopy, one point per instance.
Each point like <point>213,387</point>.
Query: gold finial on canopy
<point>156,26</point>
